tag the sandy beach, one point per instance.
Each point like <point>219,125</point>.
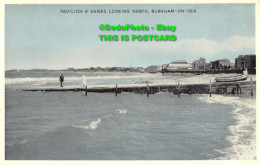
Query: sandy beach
<point>135,80</point>
<point>191,79</point>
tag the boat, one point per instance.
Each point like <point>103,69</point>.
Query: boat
<point>232,78</point>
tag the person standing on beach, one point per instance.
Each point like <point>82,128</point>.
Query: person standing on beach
<point>84,82</point>
<point>61,80</point>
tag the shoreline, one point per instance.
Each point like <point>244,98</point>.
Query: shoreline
<point>110,81</point>
<point>243,133</point>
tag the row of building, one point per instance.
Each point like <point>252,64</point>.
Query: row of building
<point>241,62</point>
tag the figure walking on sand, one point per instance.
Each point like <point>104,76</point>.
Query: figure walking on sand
<point>61,80</point>
<point>84,81</point>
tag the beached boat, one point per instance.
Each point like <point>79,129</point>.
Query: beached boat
<point>232,78</point>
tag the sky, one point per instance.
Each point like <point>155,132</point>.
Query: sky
<point>41,37</point>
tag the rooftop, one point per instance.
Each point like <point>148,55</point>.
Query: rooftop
<point>179,62</point>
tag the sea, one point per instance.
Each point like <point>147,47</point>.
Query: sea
<point>102,126</point>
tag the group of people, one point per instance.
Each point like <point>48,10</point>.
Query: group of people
<point>84,81</point>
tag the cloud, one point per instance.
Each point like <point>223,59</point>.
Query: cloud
<point>147,53</point>
<point>205,47</point>
<point>237,43</point>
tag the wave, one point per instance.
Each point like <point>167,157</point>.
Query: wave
<point>92,125</point>
<point>243,133</point>
<point>121,111</point>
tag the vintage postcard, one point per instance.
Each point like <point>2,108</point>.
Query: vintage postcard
<point>129,81</point>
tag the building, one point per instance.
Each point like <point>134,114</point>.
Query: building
<point>245,61</point>
<point>71,69</point>
<point>181,64</point>
<point>220,64</point>
<point>141,69</point>
<point>232,66</point>
<point>195,64</point>
<point>202,60</point>
<point>181,67</point>
<point>199,64</point>
<point>154,68</point>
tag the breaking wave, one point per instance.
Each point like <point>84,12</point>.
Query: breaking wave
<point>121,111</point>
<point>243,134</point>
<point>92,125</point>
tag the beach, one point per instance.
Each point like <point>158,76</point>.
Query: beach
<point>108,79</point>
<point>102,126</point>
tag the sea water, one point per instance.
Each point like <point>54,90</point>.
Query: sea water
<point>102,126</point>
